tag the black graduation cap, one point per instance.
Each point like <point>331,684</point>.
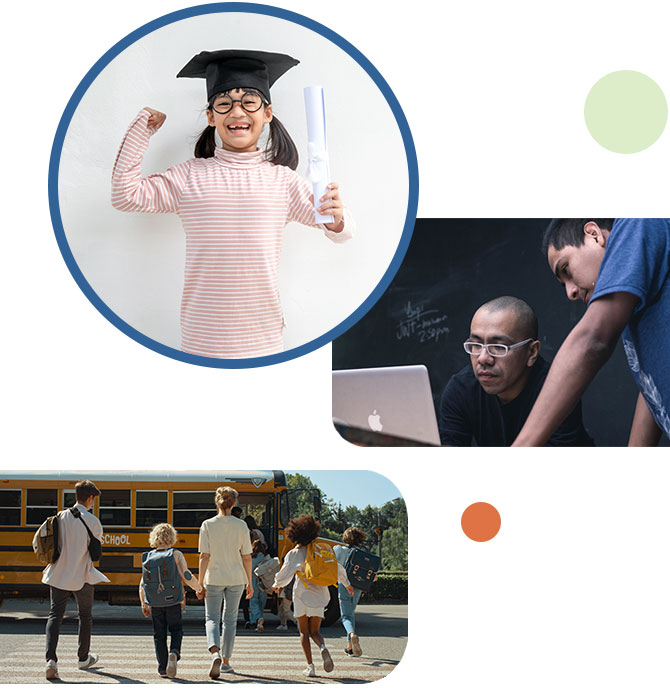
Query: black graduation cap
<point>237,69</point>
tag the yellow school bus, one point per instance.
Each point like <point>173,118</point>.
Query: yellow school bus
<point>129,505</point>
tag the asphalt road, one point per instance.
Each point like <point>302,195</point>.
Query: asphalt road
<point>123,638</point>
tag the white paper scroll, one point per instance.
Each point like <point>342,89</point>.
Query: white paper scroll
<point>318,172</point>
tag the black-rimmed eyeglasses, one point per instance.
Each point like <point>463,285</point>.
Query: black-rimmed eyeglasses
<point>251,102</point>
<point>494,349</point>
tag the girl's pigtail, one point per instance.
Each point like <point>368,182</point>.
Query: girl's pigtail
<point>204,147</point>
<point>280,149</point>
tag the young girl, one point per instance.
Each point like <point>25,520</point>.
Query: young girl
<point>257,601</point>
<point>309,600</point>
<point>167,617</point>
<point>234,201</point>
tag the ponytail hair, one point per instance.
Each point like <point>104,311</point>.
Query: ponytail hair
<point>204,147</point>
<point>279,149</point>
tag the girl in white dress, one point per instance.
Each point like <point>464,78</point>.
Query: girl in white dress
<point>309,600</point>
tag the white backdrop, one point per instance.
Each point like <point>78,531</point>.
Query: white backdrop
<point>135,262</point>
<point>573,592</point>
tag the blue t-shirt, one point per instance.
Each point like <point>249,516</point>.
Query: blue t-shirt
<point>637,260</point>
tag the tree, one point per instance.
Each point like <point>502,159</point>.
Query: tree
<point>391,518</point>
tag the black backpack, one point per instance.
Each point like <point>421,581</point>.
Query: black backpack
<point>94,545</point>
<point>361,568</point>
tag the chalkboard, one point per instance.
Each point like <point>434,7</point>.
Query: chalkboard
<point>451,268</point>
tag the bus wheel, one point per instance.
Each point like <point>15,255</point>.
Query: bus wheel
<point>332,611</point>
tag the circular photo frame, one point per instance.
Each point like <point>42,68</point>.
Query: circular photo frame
<point>131,266</point>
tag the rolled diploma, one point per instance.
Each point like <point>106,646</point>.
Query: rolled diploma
<point>318,171</point>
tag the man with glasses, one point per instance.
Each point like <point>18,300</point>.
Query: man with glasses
<point>488,401</point>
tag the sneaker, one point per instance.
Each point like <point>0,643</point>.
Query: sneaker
<point>259,625</point>
<point>162,674</point>
<point>348,651</point>
<point>249,625</point>
<point>355,645</point>
<point>215,666</point>
<point>227,668</point>
<point>309,671</point>
<point>171,670</point>
<point>327,660</point>
<point>52,670</point>
<point>282,627</point>
<point>87,663</point>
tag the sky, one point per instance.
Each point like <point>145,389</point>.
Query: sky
<point>353,487</point>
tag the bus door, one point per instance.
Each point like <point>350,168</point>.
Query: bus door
<point>261,507</point>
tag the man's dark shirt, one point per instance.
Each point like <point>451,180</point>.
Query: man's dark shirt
<point>467,412</point>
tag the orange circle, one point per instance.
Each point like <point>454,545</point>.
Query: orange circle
<point>480,522</point>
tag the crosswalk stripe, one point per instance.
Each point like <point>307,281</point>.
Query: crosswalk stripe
<point>254,658</point>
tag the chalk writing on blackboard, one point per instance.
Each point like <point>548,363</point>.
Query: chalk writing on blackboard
<point>422,324</point>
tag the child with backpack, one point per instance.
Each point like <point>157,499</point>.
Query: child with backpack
<point>353,539</point>
<point>162,594</point>
<point>314,566</point>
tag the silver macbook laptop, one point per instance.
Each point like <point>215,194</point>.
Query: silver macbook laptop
<point>392,400</point>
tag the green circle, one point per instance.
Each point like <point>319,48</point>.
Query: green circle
<point>626,111</point>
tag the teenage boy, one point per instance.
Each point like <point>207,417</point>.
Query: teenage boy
<point>620,268</point>
<point>73,574</point>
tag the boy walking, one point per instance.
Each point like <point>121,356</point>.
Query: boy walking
<point>73,574</point>
<point>162,595</point>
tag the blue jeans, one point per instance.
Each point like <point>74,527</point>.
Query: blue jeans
<point>257,603</point>
<point>167,618</point>
<point>230,596</point>
<point>348,603</point>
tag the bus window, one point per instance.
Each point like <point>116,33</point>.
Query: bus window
<point>192,508</point>
<point>40,503</point>
<point>150,508</point>
<point>10,507</point>
<point>115,507</point>
<point>69,498</point>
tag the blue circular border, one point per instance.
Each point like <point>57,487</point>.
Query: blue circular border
<point>251,8</point>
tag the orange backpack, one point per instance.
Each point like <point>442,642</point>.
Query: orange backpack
<point>320,565</point>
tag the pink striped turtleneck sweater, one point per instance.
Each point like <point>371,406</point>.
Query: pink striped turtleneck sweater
<point>234,208</point>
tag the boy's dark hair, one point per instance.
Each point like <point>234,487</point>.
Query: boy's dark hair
<point>251,522</point>
<point>84,489</point>
<point>354,536</point>
<point>569,232</point>
<point>236,512</point>
<point>303,530</point>
<point>279,150</point>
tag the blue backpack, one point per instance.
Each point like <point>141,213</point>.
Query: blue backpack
<point>160,578</point>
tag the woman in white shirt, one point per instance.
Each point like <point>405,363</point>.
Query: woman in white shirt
<point>309,600</point>
<point>225,570</point>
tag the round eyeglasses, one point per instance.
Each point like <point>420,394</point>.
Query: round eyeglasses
<point>251,102</point>
<point>494,349</point>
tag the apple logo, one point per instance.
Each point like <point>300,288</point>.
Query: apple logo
<point>374,422</point>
